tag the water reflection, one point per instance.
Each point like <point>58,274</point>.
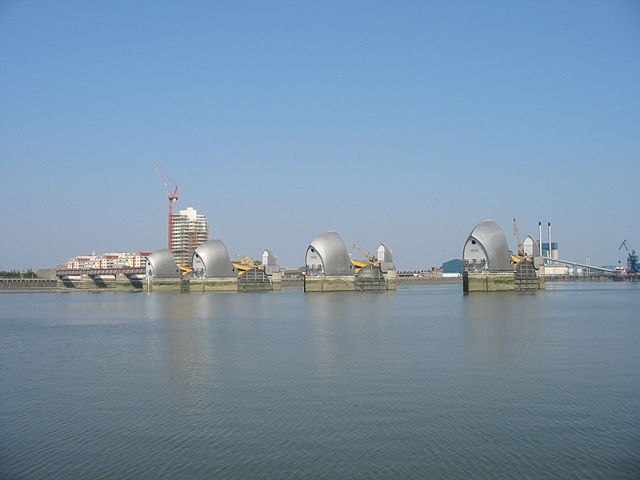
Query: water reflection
<point>347,327</point>
<point>501,328</point>
<point>188,354</point>
<point>96,309</point>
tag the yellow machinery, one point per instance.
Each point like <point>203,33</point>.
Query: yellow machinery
<point>371,259</point>
<point>247,263</point>
<point>518,259</point>
<point>184,270</point>
<point>520,256</point>
<point>241,267</point>
<point>358,264</point>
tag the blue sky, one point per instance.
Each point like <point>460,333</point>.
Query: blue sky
<point>402,122</point>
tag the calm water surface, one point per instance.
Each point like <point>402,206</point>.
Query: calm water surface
<point>423,383</point>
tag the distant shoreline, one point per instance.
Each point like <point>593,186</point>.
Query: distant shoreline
<point>53,286</point>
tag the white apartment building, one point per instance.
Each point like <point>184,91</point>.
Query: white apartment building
<point>190,229</point>
<point>83,262</point>
<point>109,260</point>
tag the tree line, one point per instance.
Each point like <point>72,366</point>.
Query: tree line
<point>16,274</point>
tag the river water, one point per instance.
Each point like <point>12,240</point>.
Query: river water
<point>423,383</point>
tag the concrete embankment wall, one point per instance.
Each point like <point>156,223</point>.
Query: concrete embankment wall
<point>27,283</point>
<point>88,284</point>
<point>581,278</point>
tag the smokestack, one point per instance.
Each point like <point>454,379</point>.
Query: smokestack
<point>549,239</point>
<point>540,238</point>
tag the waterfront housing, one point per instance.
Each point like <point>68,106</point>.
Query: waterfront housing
<point>108,260</point>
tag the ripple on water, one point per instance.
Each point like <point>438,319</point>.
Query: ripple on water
<point>419,384</point>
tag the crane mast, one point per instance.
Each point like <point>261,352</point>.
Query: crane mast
<point>172,196</point>
<point>624,244</point>
<point>368,256</point>
<point>516,233</point>
<point>248,261</point>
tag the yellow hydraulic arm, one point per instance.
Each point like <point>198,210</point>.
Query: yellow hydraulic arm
<point>248,261</point>
<point>184,270</point>
<point>359,264</point>
<point>517,259</point>
<point>371,259</point>
<point>241,267</point>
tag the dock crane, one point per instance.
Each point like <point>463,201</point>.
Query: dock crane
<point>172,196</point>
<point>624,244</point>
<point>632,259</point>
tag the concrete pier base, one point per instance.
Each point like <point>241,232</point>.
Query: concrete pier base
<point>391,278</point>
<point>501,281</point>
<point>276,282</point>
<point>163,285</point>
<point>541,279</point>
<point>333,283</point>
<point>488,281</point>
<point>175,285</point>
<point>213,285</point>
<point>347,283</point>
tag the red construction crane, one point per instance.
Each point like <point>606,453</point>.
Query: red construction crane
<point>173,198</point>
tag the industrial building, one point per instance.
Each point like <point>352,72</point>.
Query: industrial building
<point>454,266</point>
<point>189,229</point>
<point>551,253</point>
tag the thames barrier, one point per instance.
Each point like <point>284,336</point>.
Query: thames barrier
<point>487,265</point>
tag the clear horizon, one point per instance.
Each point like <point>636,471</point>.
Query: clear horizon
<point>405,124</point>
